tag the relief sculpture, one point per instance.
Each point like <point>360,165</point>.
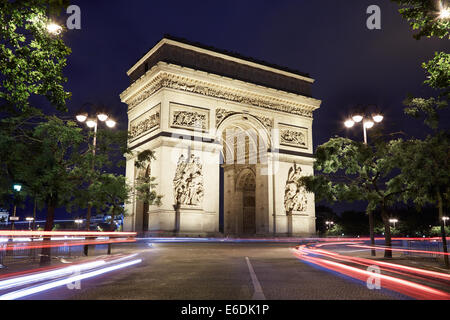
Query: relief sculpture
<point>295,195</point>
<point>294,138</point>
<point>150,122</point>
<point>189,119</point>
<point>188,181</point>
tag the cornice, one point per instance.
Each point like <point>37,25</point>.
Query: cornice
<point>165,75</point>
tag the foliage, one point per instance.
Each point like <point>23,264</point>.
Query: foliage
<point>31,59</point>
<point>436,231</point>
<point>423,16</point>
<point>335,231</point>
<point>425,168</point>
<point>145,184</point>
<point>438,72</point>
<point>352,171</point>
<point>112,192</point>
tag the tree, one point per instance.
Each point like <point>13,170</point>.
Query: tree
<point>50,164</point>
<point>145,185</point>
<point>31,65</point>
<point>31,58</point>
<point>351,171</point>
<point>110,147</point>
<point>423,16</point>
<point>324,214</point>
<point>427,171</point>
<point>112,193</point>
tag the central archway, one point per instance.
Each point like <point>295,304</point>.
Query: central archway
<point>246,188</point>
<point>245,143</point>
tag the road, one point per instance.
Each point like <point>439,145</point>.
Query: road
<point>220,271</point>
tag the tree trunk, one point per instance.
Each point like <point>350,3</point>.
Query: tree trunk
<point>50,216</point>
<point>88,217</point>
<point>88,226</point>
<point>46,252</point>
<point>443,233</point>
<point>387,233</point>
<point>34,214</point>
<point>372,234</point>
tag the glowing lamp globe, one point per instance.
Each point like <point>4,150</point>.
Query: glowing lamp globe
<point>53,28</point>
<point>81,117</point>
<point>378,118</point>
<point>91,123</point>
<point>357,118</point>
<point>102,117</point>
<point>369,124</point>
<point>445,13</point>
<point>349,123</point>
<point>111,123</point>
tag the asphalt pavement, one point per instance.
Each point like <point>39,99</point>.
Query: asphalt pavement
<point>219,271</point>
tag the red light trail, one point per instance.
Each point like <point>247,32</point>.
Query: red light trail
<point>327,259</point>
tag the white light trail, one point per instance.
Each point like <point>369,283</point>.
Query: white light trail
<point>40,288</point>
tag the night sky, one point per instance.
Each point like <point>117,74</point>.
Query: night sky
<point>327,39</point>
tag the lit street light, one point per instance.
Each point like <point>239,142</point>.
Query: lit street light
<point>78,222</point>
<point>329,223</point>
<point>394,221</point>
<point>445,219</point>
<point>17,188</point>
<point>444,12</point>
<point>54,28</point>
<point>92,123</point>
<point>368,123</point>
<point>29,219</point>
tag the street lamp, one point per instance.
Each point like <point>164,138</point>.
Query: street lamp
<point>92,123</point>
<point>78,222</point>
<point>17,188</point>
<point>394,221</point>
<point>368,122</point>
<point>29,219</point>
<point>444,12</point>
<point>445,219</point>
<point>54,28</point>
<point>329,223</point>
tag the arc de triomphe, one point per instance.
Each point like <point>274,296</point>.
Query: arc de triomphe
<point>231,135</point>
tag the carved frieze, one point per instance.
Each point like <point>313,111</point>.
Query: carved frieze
<point>222,114</point>
<point>294,136</point>
<point>147,122</point>
<point>189,117</point>
<point>167,80</point>
<point>188,181</point>
<point>295,201</point>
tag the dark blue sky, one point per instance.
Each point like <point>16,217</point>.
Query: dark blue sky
<point>328,39</point>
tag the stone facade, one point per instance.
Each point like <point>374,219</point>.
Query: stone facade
<point>201,123</point>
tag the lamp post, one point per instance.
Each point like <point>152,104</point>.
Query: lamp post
<point>329,223</point>
<point>393,221</point>
<point>78,223</point>
<point>92,123</point>
<point>445,219</point>
<point>368,123</point>
<point>29,219</point>
<point>16,188</point>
